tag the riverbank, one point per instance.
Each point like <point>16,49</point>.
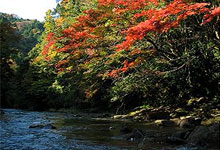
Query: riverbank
<point>195,112</point>
<point>199,127</point>
<point>142,127</point>
<point>198,122</point>
<point>193,126</point>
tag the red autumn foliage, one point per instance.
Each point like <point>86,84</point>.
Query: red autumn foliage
<point>80,38</point>
<point>162,20</point>
<point>50,42</point>
<point>115,73</point>
<point>213,13</point>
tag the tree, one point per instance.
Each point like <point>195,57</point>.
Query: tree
<point>126,53</point>
<point>8,48</point>
<point>151,46</point>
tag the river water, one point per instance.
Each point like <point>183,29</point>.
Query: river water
<point>73,132</point>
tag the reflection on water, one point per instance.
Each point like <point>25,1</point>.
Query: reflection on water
<point>72,133</point>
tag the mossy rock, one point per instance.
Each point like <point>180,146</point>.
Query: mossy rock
<point>180,112</point>
<point>136,113</point>
<point>211,121</point>
<point>196,101</point>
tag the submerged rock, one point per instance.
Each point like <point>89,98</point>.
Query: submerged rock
<point>43,126</point>
<point>132,134</point>
<point>178,137</point>
<point>137,134</point>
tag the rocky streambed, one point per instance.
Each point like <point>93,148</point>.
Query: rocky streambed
<point>63,131</point>
<point>198,127</point>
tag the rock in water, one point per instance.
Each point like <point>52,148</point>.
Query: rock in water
<point>49,126</point>
<point>137,134</point>
<point>199,136</point>
<point>43,126</point>
<point>188,122</point>
<point>177,138</point>
<point>214,137</point>
<point>165,123</point>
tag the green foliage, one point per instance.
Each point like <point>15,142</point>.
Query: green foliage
<point>18,36</point>
<point>102,55</point>
<point>8,48</point>
<point>29,31</point>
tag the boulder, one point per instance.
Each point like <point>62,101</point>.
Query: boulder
<point>197,101</point>
<point>179,137</point>
<point>176,121</point>
<point>138,118</point>
<point>213,138</point>
<point>180,112</point>
<point>165,123</point>
<point>214,128</point>
<point>199,136</point>
<point>188,122</point>
<point>185,123</point>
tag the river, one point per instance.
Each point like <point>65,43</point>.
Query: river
<point>73,132</point>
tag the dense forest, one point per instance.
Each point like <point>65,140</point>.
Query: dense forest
<point>113,55</point>
<point>17,37</point>
<point>28,32</point>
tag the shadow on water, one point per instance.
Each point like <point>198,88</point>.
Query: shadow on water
<point>72,132</point>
